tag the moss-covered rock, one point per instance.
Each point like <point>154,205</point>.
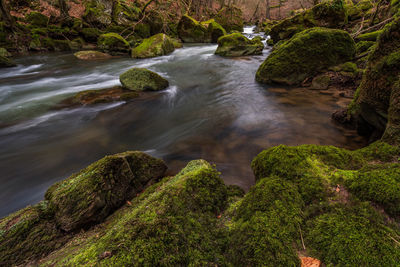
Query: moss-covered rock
<point>235,45</point>
<point>192,31</point>
<point>96,15</point>
<point>91,55</point>
<point>138,79</point>
<point>173,223</point>
<point>321,82</point>
<point>329,14</point>
<point>37,19</point>
<point>157,45</point>
<point>90,34</point>
<point>29,234</point>
<point>92,97</point>
<point>214,30</point>
<point>266,225</point>
<point>113,43</point>
<point>305,54</point>
<point>363,46</point>
<point>4,52</point>
<point>376,101</point>
<point>91,195</point>
<point>370,36</point>
<point>358,10</point>
<point>230,18</point>
<point>6,62</point>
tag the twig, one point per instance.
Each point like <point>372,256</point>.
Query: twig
<point>302,241</point>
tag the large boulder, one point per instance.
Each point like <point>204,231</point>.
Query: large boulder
<point>377,98</point>
<point>89,196</point>
<point>139,79</point>
<point>157,45</point>
<point>192,31</point>
<point>113,43</point>
<point>231,18</point>
<point>305,55</point>
<point>235,45</point>
<point>91,55</point>
<point>330,14</point>
<point>37,19</point>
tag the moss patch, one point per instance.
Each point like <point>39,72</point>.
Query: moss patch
<point>138,79</point>
<point>157,45</point>
<point>235,44</point>
<point>113,43</point>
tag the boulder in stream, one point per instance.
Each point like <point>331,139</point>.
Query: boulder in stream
<point>140,79</point>
<point>157,45</point>
<point>230,18</point>
<point>192,31</point>
<point>236,45</point>
<point>113,43</point>
<point>305,55</point>
<point>91,55</point>
<point>90,195</point>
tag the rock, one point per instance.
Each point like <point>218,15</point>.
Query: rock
<point>309,262</point>
<point>377,96</point>
<point>329,14</point>
<point>270,42</point>
<point>370,36</point>
<point>138,79</point>
<point>91,97</point>
<point>235,45</point>
<point>363,46</point>
<point>230,18</point>
<point>37,19</point>
<point>358,10</point>
<point>192,31</point>
<point>91,195</point>
<point>91,55</point>
<point>90,34</point>
<point>96,15</point>
<point>4,52</point>
<point>214,30</point>
<point>320,82</point>
<point>177,43</point>
<point>157,45</point>
<point>305,54</point>
<point>6,62</point>
<point>113,43</point>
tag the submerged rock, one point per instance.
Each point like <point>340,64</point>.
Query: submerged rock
<point>305,54</point>
<point>377,98</point>
<point>113,43</point>
<point>91,55</point>
<point>92,97</point>
<point>157,45</point>
<point>91,195</point>
<point>139,79</point>
<point>235,45</point>
<point>329,14</point>
<point>192,31</point>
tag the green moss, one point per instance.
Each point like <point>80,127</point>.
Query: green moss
<point>138,79</point>
<point>370,36</point>
<point>157,45</point>
<point>173,223</point>
<point>96,15</point>
<point>143,30</point>
<point>330,14</point>
<point>191,31</point>
<point>214,30</point>
<point>37,19</point>
<point>236,44</point>
<point>363,46</point>
<point>352,236</point>
<point>266,225</point>
<point>113,43</point>
<point>90,34</point>
<point>91,195</point>
<point>4,52</point>
<point>306,54</point>
<point>28,235</point>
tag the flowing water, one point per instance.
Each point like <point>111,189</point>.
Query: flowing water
<point>213,110</point>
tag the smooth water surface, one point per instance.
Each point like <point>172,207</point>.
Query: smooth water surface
<point>213,110</point>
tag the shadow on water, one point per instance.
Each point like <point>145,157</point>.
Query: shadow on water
<point>213,110</point>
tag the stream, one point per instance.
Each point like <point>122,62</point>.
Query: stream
<point>214,109</point>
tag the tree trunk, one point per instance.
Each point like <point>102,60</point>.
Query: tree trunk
<point>268,9</point>
<point>63,8</point>
<point>6,16</point>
